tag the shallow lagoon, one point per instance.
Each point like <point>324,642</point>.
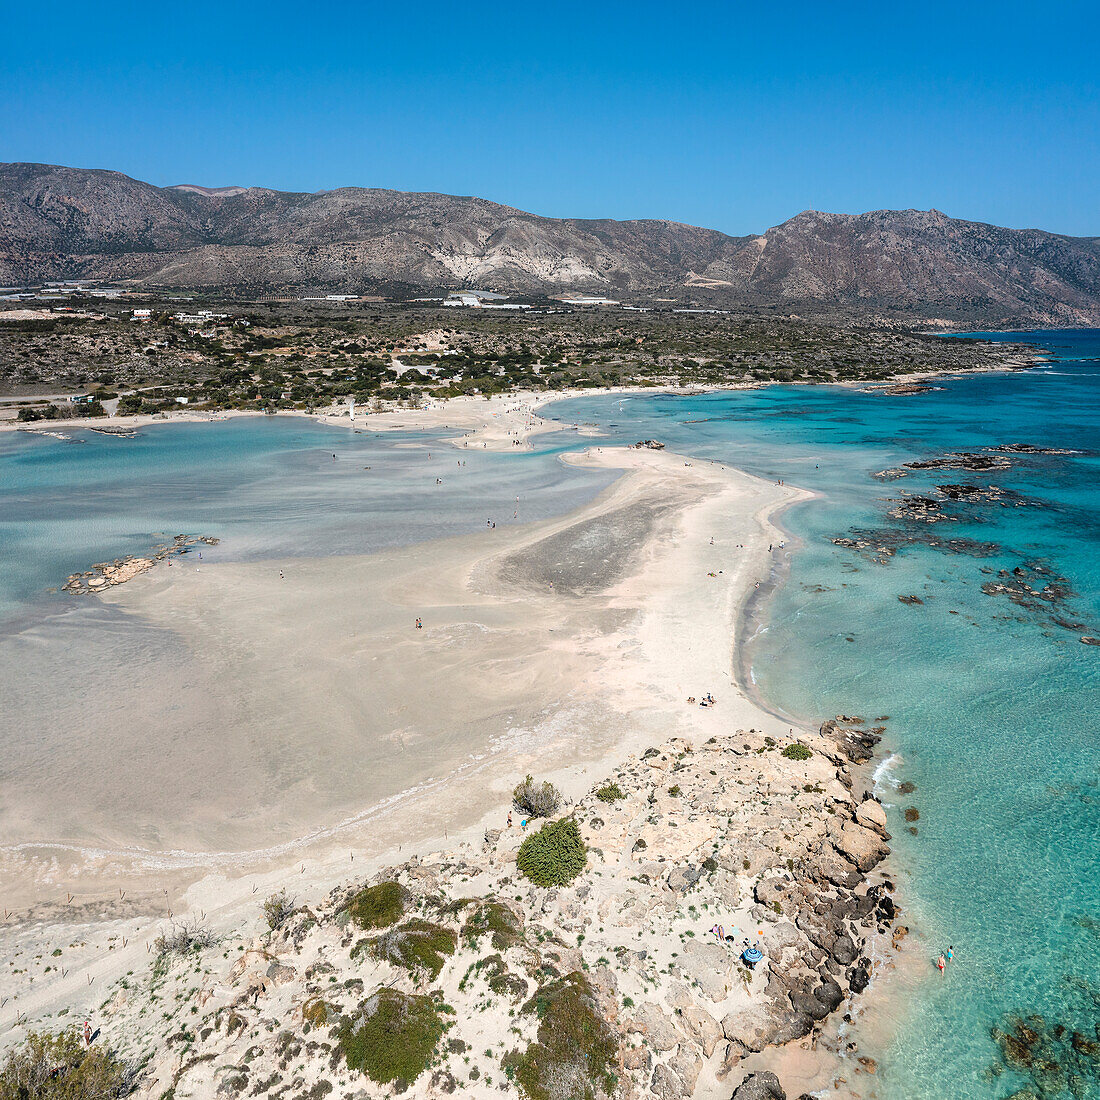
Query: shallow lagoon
<point>267,487</point>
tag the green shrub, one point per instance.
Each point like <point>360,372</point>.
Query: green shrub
<point>553,856</point>
<point>496,919</point>
<point>391,1037</point>
<point>675,791</point>
<point>797,751</point>
<point>536,799</point>
<point>49,1066</point>
<point>575,1051</point>
<point>415,945</point>
<point>377,906</point>
<point>610,793</point>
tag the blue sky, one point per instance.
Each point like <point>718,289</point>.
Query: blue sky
<point>725,115</point>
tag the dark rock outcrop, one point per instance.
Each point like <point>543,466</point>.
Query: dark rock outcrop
<point>759,1086</point>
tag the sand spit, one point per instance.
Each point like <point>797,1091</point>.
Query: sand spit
<point>499,422</point>
<point>345,740</point>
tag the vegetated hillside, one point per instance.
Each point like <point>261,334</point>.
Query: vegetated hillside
<point>68,223</point>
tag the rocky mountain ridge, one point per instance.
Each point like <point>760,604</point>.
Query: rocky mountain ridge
<point>61,223</point>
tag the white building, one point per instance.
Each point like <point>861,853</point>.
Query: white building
<point>463,298</point>
<point>478,299</point>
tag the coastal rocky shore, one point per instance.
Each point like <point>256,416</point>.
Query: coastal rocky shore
<point>454,971</point>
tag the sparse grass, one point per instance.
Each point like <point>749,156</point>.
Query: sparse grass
<point>392,1037</point>
<point>377,906</point>
<point>553,856</point>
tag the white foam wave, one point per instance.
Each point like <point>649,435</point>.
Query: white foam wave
<point>884,778</point>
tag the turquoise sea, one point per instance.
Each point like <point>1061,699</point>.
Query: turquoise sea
<point>993,704</point>
<point>994,709</point>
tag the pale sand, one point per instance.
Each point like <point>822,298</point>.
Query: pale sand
<point>316,705</point>
<point>491,423</point>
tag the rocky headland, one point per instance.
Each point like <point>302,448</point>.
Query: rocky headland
<point>456,971</point>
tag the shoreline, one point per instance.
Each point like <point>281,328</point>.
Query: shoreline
<point>657,614</point>
<point>475,415</point>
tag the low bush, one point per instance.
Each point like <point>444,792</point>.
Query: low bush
<point>49,1066</point>
<point>415,945</point>
<point>277,909</point>
<point>555,855</point>
<point>315,1011</point>
<point>183,938</point>
<point>495,919</point>
<point>575,1051</point>
<point>377,906</point>
<point>610,793</point>
<point>797,751</point>
<point>392,1036</point>
<point>536,799</point>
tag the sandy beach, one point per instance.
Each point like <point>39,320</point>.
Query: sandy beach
<point>498,422</point>
<point>316,727</point>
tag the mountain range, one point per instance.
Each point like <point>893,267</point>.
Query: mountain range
<point>60,223</point>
